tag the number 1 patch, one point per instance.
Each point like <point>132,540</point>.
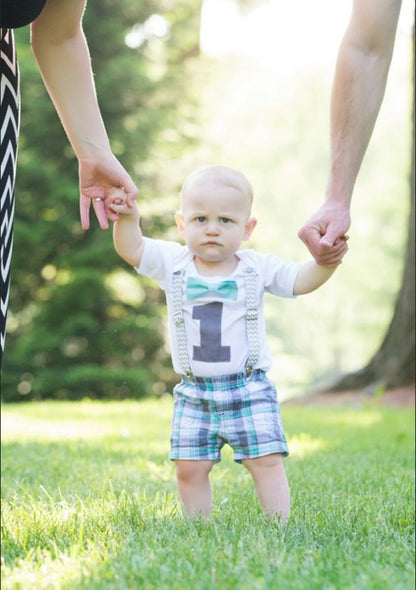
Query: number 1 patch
<point>210,350</point>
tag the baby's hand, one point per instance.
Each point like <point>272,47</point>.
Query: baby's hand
<point>337,252</point>
<point>116,200</point>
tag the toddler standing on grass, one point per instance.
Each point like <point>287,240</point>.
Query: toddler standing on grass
<point>214,294</point>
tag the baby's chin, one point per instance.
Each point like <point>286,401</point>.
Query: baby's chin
<point>220,263</point>
<point>211,256</point>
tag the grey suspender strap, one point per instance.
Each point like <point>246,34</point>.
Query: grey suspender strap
<point>177,293</point>
<point>251,315</point>
<point>250,283</point>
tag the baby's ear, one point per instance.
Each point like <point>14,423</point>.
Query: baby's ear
<point>180,222</point>
<point>250,225</point>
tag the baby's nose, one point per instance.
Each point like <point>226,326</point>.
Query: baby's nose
<point>213,227</point>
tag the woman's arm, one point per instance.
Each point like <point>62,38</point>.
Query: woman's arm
<point>63,58</point>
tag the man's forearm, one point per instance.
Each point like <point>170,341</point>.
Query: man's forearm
<point>358,90</point>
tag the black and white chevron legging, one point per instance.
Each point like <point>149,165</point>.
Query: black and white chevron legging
<point>9,130</point>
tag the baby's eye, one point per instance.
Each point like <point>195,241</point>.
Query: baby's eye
<point>225,220</point>
<point>200,219</point>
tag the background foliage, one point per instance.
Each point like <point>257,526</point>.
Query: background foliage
<point>79,325</point>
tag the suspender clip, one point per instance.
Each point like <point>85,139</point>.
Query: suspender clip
<point>189,376</point>
<point>249,371</point>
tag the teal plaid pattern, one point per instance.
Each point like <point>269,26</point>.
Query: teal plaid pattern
<point>231,409</point>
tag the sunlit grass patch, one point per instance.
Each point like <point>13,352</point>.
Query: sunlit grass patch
<point>303,444</point>
<point>101,512</point>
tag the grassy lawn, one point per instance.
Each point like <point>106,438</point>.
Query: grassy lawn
<point>89,501</point>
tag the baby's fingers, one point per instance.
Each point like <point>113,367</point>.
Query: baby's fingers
<point>335,255</point>
<point>120,207</point>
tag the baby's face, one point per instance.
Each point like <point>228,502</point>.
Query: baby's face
<point>214,220</point>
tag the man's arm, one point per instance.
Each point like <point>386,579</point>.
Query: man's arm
<point>63,58</point>
<point>358,89</point>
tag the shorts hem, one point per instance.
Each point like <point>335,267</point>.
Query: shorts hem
<point>282,451</point>
<point>193,458</point>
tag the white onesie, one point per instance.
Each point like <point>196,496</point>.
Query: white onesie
<point>214,307</point>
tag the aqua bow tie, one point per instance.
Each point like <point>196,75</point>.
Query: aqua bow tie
<point>196,288</point>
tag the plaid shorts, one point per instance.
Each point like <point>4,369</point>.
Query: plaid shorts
<point>242,412</point>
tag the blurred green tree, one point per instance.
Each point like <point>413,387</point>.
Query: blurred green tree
<point>77,325</point>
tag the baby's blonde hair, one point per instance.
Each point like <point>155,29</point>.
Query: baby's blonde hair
<point>224,175</point>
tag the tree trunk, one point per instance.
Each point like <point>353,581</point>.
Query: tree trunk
<point>393,364</point>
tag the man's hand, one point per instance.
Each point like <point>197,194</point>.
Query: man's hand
<point>325,233</point>
<point>97,178</point>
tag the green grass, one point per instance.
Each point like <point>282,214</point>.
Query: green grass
<point>89,501</point>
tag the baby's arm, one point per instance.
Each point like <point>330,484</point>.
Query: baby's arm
<point>127,235</point>
<point>311,276</point>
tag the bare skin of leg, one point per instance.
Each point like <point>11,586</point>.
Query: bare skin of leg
<point>194,487</point>
<point>271,485</point>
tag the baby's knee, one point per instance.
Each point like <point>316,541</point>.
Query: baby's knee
<point>188,471</point>
<point>272,461</point>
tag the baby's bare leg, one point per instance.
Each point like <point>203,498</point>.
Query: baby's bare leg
<point>194,486</point>
<point>271,484</point>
